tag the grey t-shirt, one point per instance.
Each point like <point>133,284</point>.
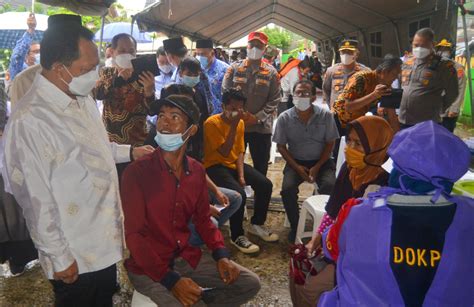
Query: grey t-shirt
<point>305,141</point>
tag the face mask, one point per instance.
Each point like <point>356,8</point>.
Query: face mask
<point>165,68</point>
<point>109,62</point>
<point>37,58</point>
<point>190,81</point>
<point>82,85</point>
<point>354,158</point>
<point>124,60</point>
<point>170,142</point>
<point>302,103</point>
<point>203,60</point>
<point>421,53</point>
<point>231,114</point>
<point>254,53</point>
<point>347,59</point>
<point>446,54</point>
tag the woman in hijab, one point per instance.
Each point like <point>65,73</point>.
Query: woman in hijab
<point>367,142</point>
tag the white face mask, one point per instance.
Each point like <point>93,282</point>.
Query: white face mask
<point>446,54</point>
<point>302,103</point>
<point>347,59</point>
<point>254,53</point>
<point>231,114</point>
<point>83,84</point>
<point>124,60</point>
<point>109,62</point>
<point>165,68</point>
<point>421,53</point>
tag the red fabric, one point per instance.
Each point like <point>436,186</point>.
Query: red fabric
<point>333,235</point>
<point>157,210</point>
<point>300,265</point>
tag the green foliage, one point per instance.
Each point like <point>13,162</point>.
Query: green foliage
<point>278,37</point>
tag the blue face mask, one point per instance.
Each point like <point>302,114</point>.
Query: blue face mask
<point>170,142</point>
<point>203,60</point>
<point>37,58</point>
<point>190,81</point>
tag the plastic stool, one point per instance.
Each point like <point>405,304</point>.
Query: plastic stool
<point>140,300</point>
<point>313,205</point>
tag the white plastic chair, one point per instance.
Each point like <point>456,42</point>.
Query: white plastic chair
<point>140,300</point>
<point>314,206</point>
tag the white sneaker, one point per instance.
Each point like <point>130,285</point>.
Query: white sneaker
<point>263,232</point>
<point>245,246</point>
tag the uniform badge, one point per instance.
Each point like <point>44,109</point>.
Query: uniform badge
<point>425,82</point>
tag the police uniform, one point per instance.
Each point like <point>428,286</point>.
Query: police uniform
<point>337,75</point>
<point>430,86</point>
<point>450,122</point>
<point>262,89</point>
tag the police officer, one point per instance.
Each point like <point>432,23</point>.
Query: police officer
<point>337,75</point>
<point>429,82</point>
<point>450,117</point>
<point>259,82</point>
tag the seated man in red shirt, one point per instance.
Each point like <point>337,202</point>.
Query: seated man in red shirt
<point>161,193</point>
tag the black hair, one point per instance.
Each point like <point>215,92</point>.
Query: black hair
<point>305,63</point>
<point>109,45</point>
<point>62,45</point>
<point>177,89</point>
<point>34,43</point>
<point>306,81</point>
<point>160,51</point>
<point>427,33</point>
<point>118,37</point>
<point>190,64</point>
<point>233,93</point>
<point>389,63</point>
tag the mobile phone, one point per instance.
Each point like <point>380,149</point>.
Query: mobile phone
<point>146,63</point>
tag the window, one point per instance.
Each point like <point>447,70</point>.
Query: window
<point>416,25</point>
<point>320,47</point>
<point>376,44</point>
<point>328,45</point>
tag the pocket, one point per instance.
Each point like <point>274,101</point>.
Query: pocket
<point>261,89</point>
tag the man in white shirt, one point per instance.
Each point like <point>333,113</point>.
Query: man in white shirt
<point>60,167</point>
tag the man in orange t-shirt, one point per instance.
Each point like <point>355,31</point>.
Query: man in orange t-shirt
<point>224,150</point>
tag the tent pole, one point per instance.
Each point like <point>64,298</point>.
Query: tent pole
<point>102,53</point>
<point>468,60</point>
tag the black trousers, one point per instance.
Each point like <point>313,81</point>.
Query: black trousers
<point>337,144</point>
<point>228,178</point>
<point>449,123</point>
<point>259,145</point>
<point>94,289</point>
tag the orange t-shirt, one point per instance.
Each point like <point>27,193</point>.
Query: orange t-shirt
<point>216,131</point>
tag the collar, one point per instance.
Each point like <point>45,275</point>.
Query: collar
<point>164,166</point>
<point>51,93</point>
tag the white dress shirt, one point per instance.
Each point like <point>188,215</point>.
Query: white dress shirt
<point>288,82</point>
<point>60,167</point>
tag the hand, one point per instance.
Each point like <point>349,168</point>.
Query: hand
<point>228,271</point>
<point>313,172</point>
<point>242,181</point>
<point>147,80</point>
<point>187,291</point>
<point>125,73</point>
<point>69,275</point>
<point>382,90</point>
<point>141,151</point>
<point>452,114</point>
<point>381,111</point>
<point>303,172</point>
<point>214,211</point>
<point>222,198</point>
<point>250,119</point>
<point>314,244</point>
<point>31,22</point>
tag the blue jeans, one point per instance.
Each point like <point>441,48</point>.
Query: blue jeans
<point>235,201</point>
